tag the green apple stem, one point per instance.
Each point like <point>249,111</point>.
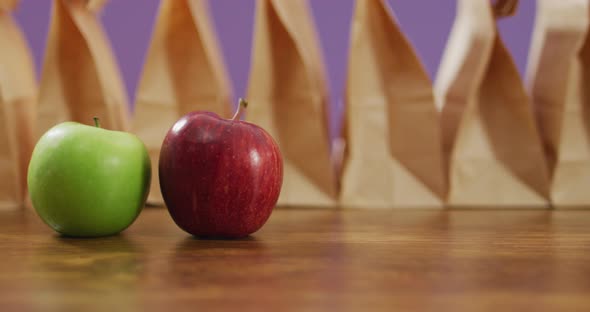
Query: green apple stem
<point>96,122</point>
<point>241,107</point>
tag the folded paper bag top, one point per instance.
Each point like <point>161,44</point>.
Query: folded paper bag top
<point>504,8</point>
<point>491,144</point>
<point>394,150</point>
<point>183,72</point>
<point>557,74</point>
<point>289,97</point>
<point>288,93</point>
<point>95,5</point>
<point>80,77</point>
<point>18,93</point>
<point>8,5</point>
<point>90,5</point>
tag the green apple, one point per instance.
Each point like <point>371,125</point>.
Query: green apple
<point>86,181</point>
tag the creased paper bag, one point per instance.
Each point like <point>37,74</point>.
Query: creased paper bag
<point>288,97</point>
<point>558,79</point>
<point>18,93</point>
<point>493,149</point>
<point>80,77</point>
<point>394,152</point>
<point>184,72</point>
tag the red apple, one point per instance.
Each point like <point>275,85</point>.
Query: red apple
<point>219,177</point>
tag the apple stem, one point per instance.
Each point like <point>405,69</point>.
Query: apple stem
<point>241,107</point>
<point>96,122</point>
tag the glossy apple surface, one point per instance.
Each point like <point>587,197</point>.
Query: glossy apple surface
<point>86,181</point>
<point>219,177</point>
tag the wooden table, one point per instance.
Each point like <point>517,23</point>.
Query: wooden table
<point>308,260</point>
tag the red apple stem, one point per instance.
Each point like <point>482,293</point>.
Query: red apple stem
<point>241,107</point>
<point>96,122</point>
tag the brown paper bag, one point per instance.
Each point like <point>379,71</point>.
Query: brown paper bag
<point>80,77</point>
<point>559,65</point>
<point>394,149</point>
<point>18,93</point>
<point>490,140</point>
<point>288,97</point>
<point>183,72</point>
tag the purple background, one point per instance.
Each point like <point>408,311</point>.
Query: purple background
<point>129,24</point>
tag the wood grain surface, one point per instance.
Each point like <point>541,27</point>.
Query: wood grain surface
<point>308,260</point>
